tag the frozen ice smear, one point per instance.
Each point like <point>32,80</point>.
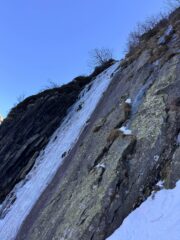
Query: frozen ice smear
<point>156,218</point>
<point>162,39</point>
<point>23,197</point>
<point>141,93</point>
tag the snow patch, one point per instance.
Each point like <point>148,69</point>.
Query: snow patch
<point>125,130</point>
<point>101,165</point>
<point>156,63</point>
<point>156,218</point>
<point>160,184</point>
<point>156,158</point>
<point>128,101</point>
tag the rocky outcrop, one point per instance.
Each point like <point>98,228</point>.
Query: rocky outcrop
<point>29,125</point>
<point>109,173</point>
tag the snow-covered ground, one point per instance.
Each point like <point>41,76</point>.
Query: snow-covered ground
<point>158,218</point>
<point>26,193</point>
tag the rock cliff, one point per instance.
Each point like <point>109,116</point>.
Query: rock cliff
<point>29,125</point>
<point>129,143</point>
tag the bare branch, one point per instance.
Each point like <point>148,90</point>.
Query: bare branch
<point>20,98</point>
<point>100,56</point>
<point>142,28</point>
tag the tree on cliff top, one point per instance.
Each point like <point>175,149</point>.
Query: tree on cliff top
<point>99,56</point>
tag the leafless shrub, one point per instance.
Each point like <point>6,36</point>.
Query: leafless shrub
<point>51,84</point>
<point>21,98</point>
<point>99,56</point>
<point>133,40</point>
<point>148,25</point>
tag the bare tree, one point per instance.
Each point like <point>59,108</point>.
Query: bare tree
<point>133,40</point>
<point>141,28</point>
<point>99,56</point>
<point>51,84</point>
<point>149,24</point>
<point>21,98</point>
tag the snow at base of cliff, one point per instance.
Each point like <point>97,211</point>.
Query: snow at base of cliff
<point>158,218</point>
<point>20,201</point>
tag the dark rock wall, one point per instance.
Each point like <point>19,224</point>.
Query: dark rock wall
<point>27,129</point>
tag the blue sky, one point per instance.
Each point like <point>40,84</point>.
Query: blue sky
<point>44,40</point>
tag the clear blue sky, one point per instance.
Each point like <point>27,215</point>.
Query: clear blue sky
<point>51,39</point>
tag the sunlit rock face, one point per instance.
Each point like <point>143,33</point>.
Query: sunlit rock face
<point>1,119</point>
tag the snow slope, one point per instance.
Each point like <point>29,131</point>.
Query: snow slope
<point>157,218</point>
<point>21,200</point>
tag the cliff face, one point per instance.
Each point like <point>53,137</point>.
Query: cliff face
<point>27,129</point>
<point>29,126</point>
<point>109,172</point>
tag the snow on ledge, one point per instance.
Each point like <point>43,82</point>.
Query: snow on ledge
<point>156,218</point>
<point>128,101</point>
<point>125,130</point>
<point>101,165</point>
